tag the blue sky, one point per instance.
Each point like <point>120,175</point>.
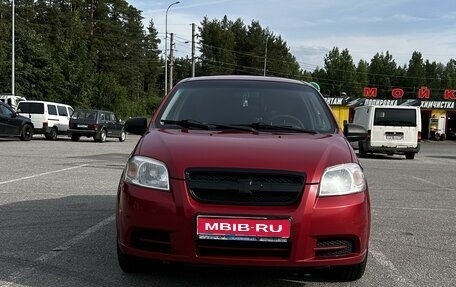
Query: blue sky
<point>312,28</point>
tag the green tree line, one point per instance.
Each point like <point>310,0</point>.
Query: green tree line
<point>97,53</point>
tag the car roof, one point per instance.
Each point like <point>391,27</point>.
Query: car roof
<point>93,110</point>
<point>246,78</point>
<point>44,102</point>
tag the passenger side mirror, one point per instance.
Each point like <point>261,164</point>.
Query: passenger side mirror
<point>354,132</point>
<point>137,126</point>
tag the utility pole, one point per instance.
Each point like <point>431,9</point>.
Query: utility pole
<point>193,49</point>
<point>13,50</point>
<point>171,60</point>
<point>265,56</point>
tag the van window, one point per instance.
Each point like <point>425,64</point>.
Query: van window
<point>31,108</point>
<point>62,111</point>
<point>395,117</point>
<point>52,110</point>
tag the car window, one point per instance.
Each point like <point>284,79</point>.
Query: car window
<point>5,111</point>
<point>70,111</point>
<point>102,116</point>
<point>112,117</point>
<point>52,110</point>
<point>31,108</point>
<point>62,111</point>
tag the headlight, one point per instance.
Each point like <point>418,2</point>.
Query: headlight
<point>342,179</point>
<point>147,172</point>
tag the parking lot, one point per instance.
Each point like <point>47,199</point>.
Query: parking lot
<point>57,202</point>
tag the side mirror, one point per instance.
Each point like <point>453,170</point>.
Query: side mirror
<point>354,132</point>
<point>137,126</point>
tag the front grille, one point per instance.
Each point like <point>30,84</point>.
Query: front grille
<point>245,187</point>
<point>151,240</point>
<point>334,247</point>
<point>235,248</point>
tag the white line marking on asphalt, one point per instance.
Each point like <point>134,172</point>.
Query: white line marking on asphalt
<point>414,208</point>
<point>44,173</point>
<point>18,275</point>
<point>431,182</point>
<point>392,270</point>
<point>73,241</point>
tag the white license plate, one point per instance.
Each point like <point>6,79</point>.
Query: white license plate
<point>232,228</point>
<point>83,126</point>
<point>393,137</point>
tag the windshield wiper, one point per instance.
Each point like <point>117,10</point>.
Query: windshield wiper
<point>189,124</point>
<point>208,126</point>
<point>266,126</point>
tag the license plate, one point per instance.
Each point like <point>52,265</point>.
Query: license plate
<point>397,137</point>
<point>83,126</point>
<point>234,228</point>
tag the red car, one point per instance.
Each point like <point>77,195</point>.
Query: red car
<point>244,171</point>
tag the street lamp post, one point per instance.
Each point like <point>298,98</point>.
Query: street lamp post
<point>12,49</point>
<point>166,46</point>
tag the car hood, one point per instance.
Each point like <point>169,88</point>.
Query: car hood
<point>306,153</point>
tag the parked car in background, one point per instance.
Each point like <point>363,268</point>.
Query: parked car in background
<point>49,118</point>
<point>391,130</point>
<point>14,125</point>
<point>98,124</point>
<point>246,171</point>
<point>11,100</point>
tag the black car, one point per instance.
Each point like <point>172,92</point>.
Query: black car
<point>14,125</point>
<point>98,124</point>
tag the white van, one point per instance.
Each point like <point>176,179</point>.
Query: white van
<point>391,129</point>
<point>48,118</point>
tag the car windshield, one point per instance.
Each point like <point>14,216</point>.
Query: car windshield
<point>260,105</point>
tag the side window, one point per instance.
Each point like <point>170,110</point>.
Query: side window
<point>5,111</point>
<point>102,117</point>
<point>52,110</point>
<point>112,117</point>
<point>62,111</point>
<point>70,111</point>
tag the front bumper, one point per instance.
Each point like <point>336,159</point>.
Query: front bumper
<point>162,226</point>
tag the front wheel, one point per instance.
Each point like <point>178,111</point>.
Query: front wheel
<point>26,132</point>
<point>361,150</point>
<point>349,272</point>
<point>127,263</point>
<point>123,136</point>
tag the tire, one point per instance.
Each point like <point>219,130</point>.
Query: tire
<point>123,136</point>
<point>349,272</point>
<point>410,155</point>
<point>101,136</point>
<point>361,151</point>
<point>75,138</point>
<point>26,132</point>
<point>127,263</point>
<point>52,134</point>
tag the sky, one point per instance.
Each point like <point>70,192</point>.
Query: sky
<point>312,28</point>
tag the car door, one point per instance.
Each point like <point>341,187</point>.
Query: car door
<point>10,125</point>
<point>116,126</point>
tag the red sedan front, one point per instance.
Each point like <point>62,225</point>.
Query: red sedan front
<point>239,188</point>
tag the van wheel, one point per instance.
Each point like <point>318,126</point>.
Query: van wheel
<point>123,136</point>
<point>26,132</point>
<point>410,155</point>
<point>52,134</point>
<point>361,151</point>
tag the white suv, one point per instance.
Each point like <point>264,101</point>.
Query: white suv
<point>48,118</point>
